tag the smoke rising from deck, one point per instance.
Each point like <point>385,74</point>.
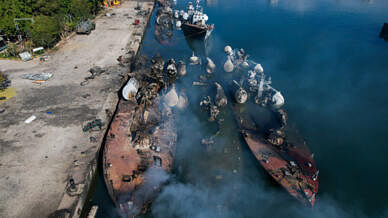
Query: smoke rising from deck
<point>250,193</point>
<point>189,195</point>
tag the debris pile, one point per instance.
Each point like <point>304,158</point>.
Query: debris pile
<point>164,24</point>
<point>251,91</point>
<point>4,81</point>
<point>85,27</point>
<point>289,163</point>
<point>38,76</point>
<point>94,71</point>
<point>94,125</point>
<point>145,121</point>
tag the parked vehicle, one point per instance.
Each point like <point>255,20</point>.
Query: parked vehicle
<point>85,27</point>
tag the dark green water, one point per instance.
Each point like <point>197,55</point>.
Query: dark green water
<point>327,60</point>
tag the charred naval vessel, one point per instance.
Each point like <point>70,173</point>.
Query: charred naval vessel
<point>193,22</point>
<point>288,161</point>
<point>163,31</point>
<point>141,141</point>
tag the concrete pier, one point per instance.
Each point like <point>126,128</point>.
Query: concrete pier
<point>46,166</point>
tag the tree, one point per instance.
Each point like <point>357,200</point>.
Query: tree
<point>46,7</point>
<point>45,31</point>
<point>51,17</point>
<point>10,10</point>
<point>80,9</point>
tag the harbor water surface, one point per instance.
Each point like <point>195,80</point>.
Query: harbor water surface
<point>326,58</point>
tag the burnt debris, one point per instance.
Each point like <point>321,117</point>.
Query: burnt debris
<point>4,82</point>
<point>145,135</point>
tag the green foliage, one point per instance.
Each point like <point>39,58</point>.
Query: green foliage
<point>80,9</point>
<point>10,10</point>
<point>28,45</point>
<point>64,14</point>
<point>45,31</point>
<point>45,7</point>
<point>13,49</point>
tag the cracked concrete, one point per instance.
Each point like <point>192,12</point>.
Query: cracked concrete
<point>38,159</point>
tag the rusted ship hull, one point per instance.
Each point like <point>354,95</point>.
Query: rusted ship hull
<point>291,165</point>
<point>134,153</point>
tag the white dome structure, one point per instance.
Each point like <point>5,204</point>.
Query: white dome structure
<point>228,66</point>
<point>210,67</point>
<point>130,89</point>
<point>178,24</point>
<point>171,98</point>
<point>183,102</point>
<point>228,49</point>
<point>277,100</point>
<point>245,65</point>
<point>258,68</point>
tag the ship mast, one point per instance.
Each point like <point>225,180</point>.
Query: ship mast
<point>197,7</point>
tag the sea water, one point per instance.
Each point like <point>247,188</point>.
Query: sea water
<point>327,60</point>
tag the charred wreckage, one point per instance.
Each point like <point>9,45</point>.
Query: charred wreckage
<point>141,140</point>
<point>142,137</point>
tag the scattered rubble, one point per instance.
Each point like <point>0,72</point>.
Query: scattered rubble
<point>126,58</point>
<point>147,123</point>
<point>38,77</point>
<point>85,27</point>
<point>207,104</point>
<point>164,25</point>
<point>171,71</point>
<point>45,57</point>
<point>25,56</point>
<point>4,82</point>
<point>95,125</point>
<point>94,71</point>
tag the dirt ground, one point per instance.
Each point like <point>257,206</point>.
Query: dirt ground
<point>37,160</point>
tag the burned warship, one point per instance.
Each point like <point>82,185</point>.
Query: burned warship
<point>164,24</point>
<point>141,141</point>
<point>289,162</point>
<point>193,22</point>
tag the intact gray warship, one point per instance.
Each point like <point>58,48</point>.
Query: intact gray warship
<point>193,22</point>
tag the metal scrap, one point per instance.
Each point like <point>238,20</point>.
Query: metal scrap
<point>25,56</point>
<point>38,76</point>
<point>143,12</point>
<point>94,71</point>
<point>93,125</point>
<point>4,82</point>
